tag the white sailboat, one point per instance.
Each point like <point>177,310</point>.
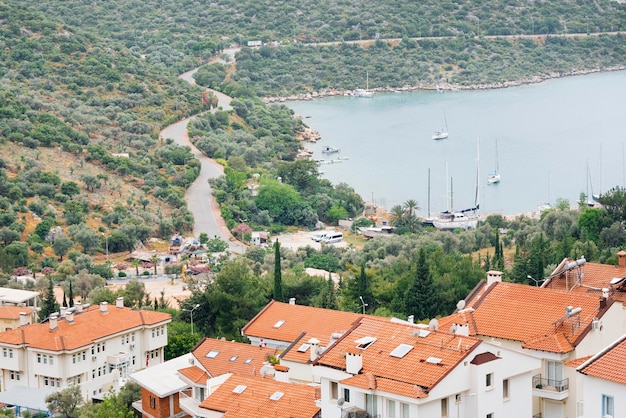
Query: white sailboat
<point>494,176</point>
<point>365,93</point>
<point>463,219</point>
<point>443,132</point>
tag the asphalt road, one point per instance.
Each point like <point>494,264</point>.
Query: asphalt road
<point>200,201</point>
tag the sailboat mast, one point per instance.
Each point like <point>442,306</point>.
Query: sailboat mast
<point>429,193</point>
<point>476,203</point>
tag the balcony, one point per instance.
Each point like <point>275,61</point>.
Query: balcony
<point>549,388</point>
<point>537,415</point>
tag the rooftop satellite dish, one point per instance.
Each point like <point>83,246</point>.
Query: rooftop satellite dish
<point>341,401</point>
<point>460,304</point>
<point>433,325</point>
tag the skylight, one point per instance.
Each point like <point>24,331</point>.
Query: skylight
<point>423,333</point>
<point>276,396</point>
<point>433,360</point>
<point>248,361</point>
<point>279,323</point>
<point>365,342</point>
<point>401,350</point>
<point>303,347</point>
<point>240,388</point>
<point>233,358</point>
<point>212,354</point>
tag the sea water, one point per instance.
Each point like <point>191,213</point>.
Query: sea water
<point>554,140</point>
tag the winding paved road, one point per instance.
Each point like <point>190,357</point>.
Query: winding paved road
<point>200,201</point>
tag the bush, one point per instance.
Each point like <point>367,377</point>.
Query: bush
<point>146,273</point>
<point>121,274</point>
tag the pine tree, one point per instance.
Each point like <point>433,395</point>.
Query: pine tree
<point>329,297</point>
<point>419,298</point>
<point>50,304</point>
<point>278,280</point>
<point>363,287</point>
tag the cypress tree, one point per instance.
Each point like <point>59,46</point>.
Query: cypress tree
<point>64,300</point>
<point>50,304</point>
<point>278,280</point>
<point>419,299</point>
<point>71,296</point>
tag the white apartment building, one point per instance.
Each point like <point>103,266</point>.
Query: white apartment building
<point>95,347</point>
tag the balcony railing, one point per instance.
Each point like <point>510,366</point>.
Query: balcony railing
<point>550,384</point>
<point>537,415</point>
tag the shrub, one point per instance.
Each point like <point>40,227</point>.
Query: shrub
<point>121,274</point>
<point>146,273</point>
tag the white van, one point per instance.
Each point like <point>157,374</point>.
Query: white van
<point>319,236</point>
<point>331,237</point>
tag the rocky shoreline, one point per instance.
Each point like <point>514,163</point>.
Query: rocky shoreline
<point>443,87</point>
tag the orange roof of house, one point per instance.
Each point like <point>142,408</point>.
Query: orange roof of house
<point>13,312</point>
<point>231,357</point>
<point>87,327</point>
<point>254,400</point>
<point>316,322</point>
<point>532,315</point>
<point>369,381</point>
<point>595,277</point>
<point>417,361</point>
<point>577,361</point>
<point>608,364</point>
<point>194,374</point>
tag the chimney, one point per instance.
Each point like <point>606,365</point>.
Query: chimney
<point>104,307</point>
<point>493,276</point>
<point>281,373</point>
<point>119,302</point>
<point>79,307</point>
<point>602,303</point>
<point>621,259</point>
<point>63,310</point>
<point>69,316</point>
<point>605,293</point>
<point>292,301</point>
<point>315,344</point>
<point>411,319</point>
<point>354,361</point>
<point>52,319</point>
<point>23,319</point>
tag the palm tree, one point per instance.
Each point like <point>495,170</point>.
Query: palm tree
<point>411,206</point>
<point>397,214</point>
<point>155,259</point>
<point>135,262</point>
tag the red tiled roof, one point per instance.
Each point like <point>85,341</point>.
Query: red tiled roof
<point>595,277</point>
<point>254,400</point>
<point>232,357</point>
<point>194,374</point>
<point>577,361</point>
<point>88,326</point>
<point>429,359</point>
<point>609,364</point>
<point>532,315</point>
<point>369,381</point>
<point>316,322</point>
<point>13,312</point>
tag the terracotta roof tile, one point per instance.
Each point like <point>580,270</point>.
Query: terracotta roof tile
<point>424,362</point>
<point>532,315</point>
<point>194,374</point>
<point>316,322</point>
<point>577,361</point>
<point>13,312</point>
<point>609,364</point>
<point>595,277</point>
<point>254,400</point>
<point>88,326</point>
<point>386,385</point>
<point>231,357</point>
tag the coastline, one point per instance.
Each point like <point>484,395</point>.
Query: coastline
<point>443,86</point>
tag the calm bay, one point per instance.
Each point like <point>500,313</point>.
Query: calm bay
<point>554,139</point>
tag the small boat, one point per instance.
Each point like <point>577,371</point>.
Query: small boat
<point>443,132</point>
<point>494,177</point>
<point>343,158</point>
<point>364,92</point>
<point>330,150</point>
